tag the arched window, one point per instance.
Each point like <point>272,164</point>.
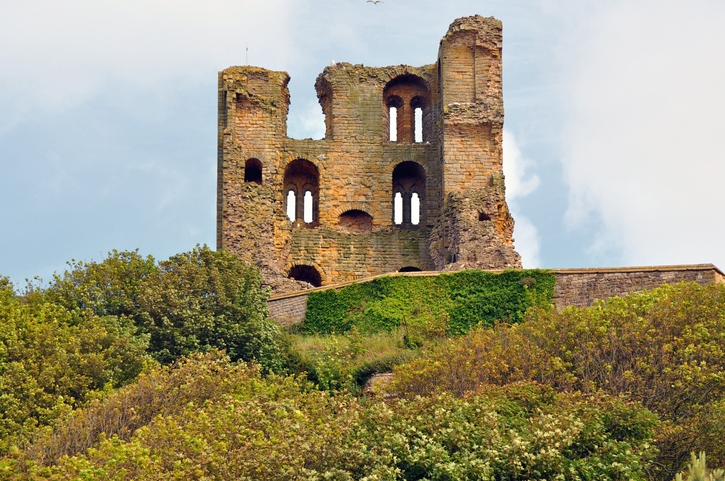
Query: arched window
<point>408,194</point>
<point>253,171</point>
<point>307,217</point>
<point>418,124</point>
<point>410,96</point>
<point>398,208</point>
<point>415,209</point>
<point>291,205</point>
<point>302,180</point>
<point>393,123</point>
<point>394,104</point>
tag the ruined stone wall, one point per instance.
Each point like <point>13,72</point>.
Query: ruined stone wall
<point>583,287</point>
<point>288,310</point>
<point>574,287</point>
<point>354,174</point>
<point>476,229</point>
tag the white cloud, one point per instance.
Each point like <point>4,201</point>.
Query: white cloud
<point>643,144</point>
<point>520,183</point>
<point>58,54</point>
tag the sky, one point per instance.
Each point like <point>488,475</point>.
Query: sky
<point>613,133</point>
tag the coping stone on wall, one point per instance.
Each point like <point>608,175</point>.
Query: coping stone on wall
<point>574,287</point>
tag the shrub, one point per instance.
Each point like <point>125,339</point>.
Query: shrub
<point>278,428</point>
<point>663,348</point>
<point>195,301</point>
<point>519,431</point>
<point>53,360</point>
<point>161,392</point>
<point>203,300</point>
<point>110,287</point>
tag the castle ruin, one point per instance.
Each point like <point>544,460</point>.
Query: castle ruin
<point>408,177</point>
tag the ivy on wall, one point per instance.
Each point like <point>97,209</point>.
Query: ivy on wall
<point>457,301</point>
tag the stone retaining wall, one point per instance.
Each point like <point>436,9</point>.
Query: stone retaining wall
<point>582,287</point>
<point>574,287</point>
<point>290,309</point>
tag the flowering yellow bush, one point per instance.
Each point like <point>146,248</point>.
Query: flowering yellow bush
<point>279,428</point>
<point>665,349</point>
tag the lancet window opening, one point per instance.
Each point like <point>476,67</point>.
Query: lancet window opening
<point>409,194</point>
<point>407,113</point>
<point>302,181</point>
<point>291,204</point>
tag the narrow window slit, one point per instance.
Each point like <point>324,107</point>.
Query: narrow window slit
<point>291,206</point>
<point>393,124</point>
<point>418,124</point>
<point>398,208</point>
<point>308,207</point>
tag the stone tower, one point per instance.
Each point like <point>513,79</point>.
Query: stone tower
<point>425,193</point>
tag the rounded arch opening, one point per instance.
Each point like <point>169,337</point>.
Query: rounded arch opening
<point>302,177</point>
<point>409,269</point>
<point>409,180</point>
<point>306,274</point>
<point>408,96</point>
<point>253,171</point>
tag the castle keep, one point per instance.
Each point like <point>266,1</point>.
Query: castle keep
<point>408,177</point>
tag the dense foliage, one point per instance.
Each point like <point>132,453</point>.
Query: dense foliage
<point>280,428</point>
<point>195,301</point>
<point>451,303</point>
<point>100,324</point>
<point>664,348</point>
<point>53,360</point>
<point>528,393</point>
<point>203,300</point>
<point>111,287</point>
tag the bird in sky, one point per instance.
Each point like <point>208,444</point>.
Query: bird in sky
<point>375,2</point>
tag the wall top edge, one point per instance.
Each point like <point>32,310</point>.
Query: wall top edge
<point>568,271</point>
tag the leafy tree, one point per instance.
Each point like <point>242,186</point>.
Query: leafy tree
<point>52,360</point>
<point>195,301</point>
<point>110,287</point>
<point>201,300</point>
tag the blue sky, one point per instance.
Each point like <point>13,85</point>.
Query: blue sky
<point>615,112</point>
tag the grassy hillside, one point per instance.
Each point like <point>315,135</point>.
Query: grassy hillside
<point>131,368</point>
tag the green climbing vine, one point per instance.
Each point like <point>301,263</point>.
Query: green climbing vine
<point>454,302</point>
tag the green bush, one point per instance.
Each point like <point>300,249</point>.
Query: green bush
<point>664,348</point>
<point>278,428</point>
<point>162,392</point>
<point>203,300</point>
<point>111,287</point>
<point>520,431</point>
<point>195,301</point>
<point>459,301</point>
<point>53,360</point>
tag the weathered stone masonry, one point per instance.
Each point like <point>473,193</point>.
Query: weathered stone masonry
<point>574,287</point>
<point>351,197</point>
